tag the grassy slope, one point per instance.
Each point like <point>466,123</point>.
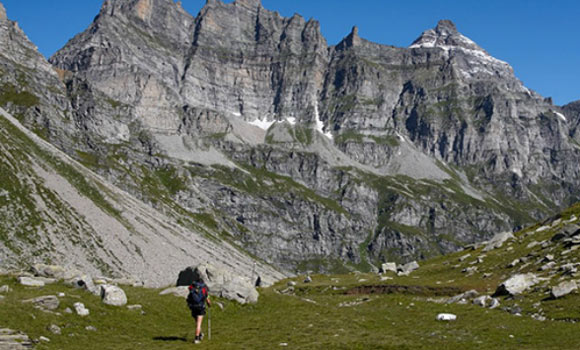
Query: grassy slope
<point>395,321</point>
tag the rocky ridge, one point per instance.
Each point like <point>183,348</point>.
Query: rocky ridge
<point>306,155</point>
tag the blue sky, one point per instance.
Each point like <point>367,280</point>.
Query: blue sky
<point>540,39</point>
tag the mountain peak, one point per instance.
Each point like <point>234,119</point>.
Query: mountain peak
<point>446,36</point>
<point>446,26</point>
<point>3,16</point>
<point>249,3</point>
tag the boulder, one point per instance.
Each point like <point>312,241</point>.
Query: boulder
<point>563,289</point>
<point>308,279</point>
<point>80,309</point>
<point>5,289</point>
<point>13,340</point>
<point>30,281</point>
<point>47,302</point>
<point>516,284</point>
<point>222,283</point>
<point>570,230</point>
<point>547,266</point>
<point>180,291</point>
<point>388,267</point>
<point>113,295</point>
<point>482,300</point>
<point>446,317</point>
<point>409,267</point>
<point>54,329</point>
<point>84,282</point>
<point>497,241</point>
<point>494,303</point>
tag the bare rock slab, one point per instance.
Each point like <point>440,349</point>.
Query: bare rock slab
<point>563,289</point>
<point>13,340</point>
<point>30,281</point>
<point>47,302</point>
<point>516,284</point>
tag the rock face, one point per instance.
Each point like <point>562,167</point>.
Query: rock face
<point>54,209</point>
<point>516,284</point>
<point>244,124</point>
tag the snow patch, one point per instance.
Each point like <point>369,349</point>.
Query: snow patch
<point>518,172</point>
<point>320,124</point>
<point>264,124</point>
<point>561,116</point>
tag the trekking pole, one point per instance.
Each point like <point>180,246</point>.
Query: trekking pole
<point>209,323</point>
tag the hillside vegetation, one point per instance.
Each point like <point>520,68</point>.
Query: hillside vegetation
<point>349,311</point>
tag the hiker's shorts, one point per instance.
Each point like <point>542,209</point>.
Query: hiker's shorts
<point>197,312</point>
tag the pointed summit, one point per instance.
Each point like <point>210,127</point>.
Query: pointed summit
<point>445,36</point>
<point>3,16</point>
<point>446,26</point>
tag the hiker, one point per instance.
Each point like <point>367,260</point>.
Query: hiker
<point>196,299</point>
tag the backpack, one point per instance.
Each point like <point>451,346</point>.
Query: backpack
<point>196,297</point>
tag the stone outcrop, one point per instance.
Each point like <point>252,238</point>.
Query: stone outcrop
<point>47,302</point>
<point>221,283</point>
<point>516,284</point>
<point>14,340</point>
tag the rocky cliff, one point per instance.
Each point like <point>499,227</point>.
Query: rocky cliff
<point>307,155</point>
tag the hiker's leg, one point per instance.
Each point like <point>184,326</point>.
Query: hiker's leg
<point>198,328</point>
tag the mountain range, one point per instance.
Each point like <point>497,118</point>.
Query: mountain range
<point>245,136</point>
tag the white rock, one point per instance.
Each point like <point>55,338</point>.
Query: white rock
<point>409,267</point>
<point>464,257</point>
<point>514,263</point>
<point>81,309</point>
<point>43,338</point>
<point>30,281</point>
<point>113,295</point>
<point>563,289</point>
<point>389,266</point>
<point>494,303</point>
<point>5,289</point>
<point>482,300</point>
<point>498,240</point>
<point>517,284</point>
<point>446,317</point>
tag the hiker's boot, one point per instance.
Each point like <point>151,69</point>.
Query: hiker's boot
<point>197,339</point>
<point>201,336</point>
